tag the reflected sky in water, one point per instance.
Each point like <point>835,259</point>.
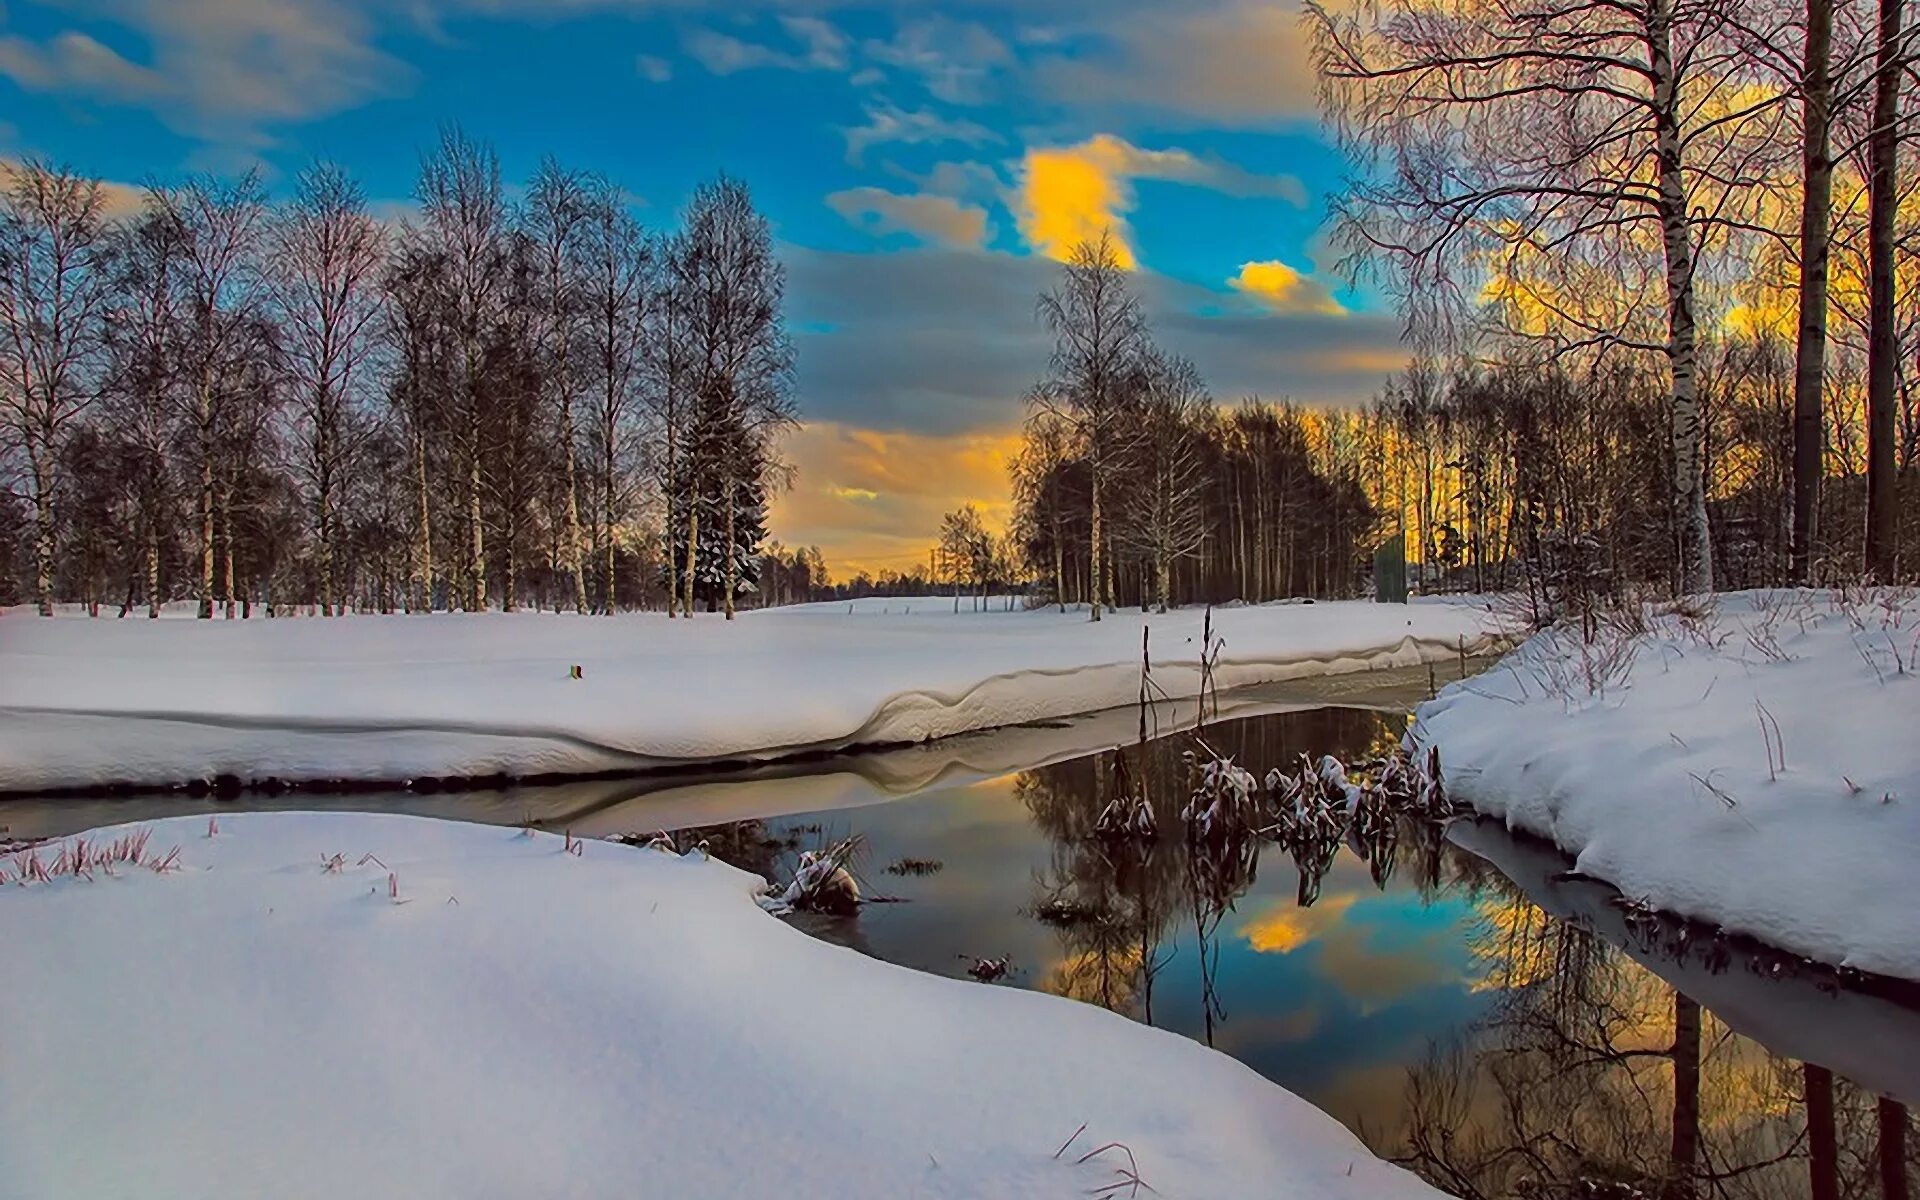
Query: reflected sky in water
<point>1454,1022</point>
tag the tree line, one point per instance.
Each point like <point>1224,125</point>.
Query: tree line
<point>1133,486</point>
<point>489,403</point>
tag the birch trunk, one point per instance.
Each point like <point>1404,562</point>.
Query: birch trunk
<point>1689,495</point>
<point>42,467</point>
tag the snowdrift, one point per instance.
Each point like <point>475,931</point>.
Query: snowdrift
<point>91,702</point>
<point>335,1005</point>
<point>1755,766</point>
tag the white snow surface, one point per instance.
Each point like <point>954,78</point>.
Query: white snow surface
<point>528,1022</point>
<point>86,702</point>
<point>1647,757</point>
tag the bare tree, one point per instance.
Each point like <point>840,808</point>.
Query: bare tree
<point>618,280</point>
<point>54,255</point>
<point>327,257</point>
<point>466,221</point>
<point>559,216</point>
<point>1566,149</point>
<point>220,224</point>
<point>1099,337</point>
<point>1161,514</point>
<point>144,331</point>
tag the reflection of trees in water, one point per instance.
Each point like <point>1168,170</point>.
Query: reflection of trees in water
<point>1114,900</point>
<point>1591,1077</point>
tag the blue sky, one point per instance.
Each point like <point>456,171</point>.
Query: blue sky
<point>923,165</point>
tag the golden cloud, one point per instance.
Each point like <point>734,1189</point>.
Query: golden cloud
<point>1283,289</point>
<point>1072,194</point>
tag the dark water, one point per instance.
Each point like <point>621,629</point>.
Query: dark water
<point>1456,1000</point>
<point>1502,1041</point>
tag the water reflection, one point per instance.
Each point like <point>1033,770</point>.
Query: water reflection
<point>1501,1029</point>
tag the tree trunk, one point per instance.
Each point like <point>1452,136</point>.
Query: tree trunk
<point>732,574</point>
<point>693,542</point>
<point>606,500</point>
<point>476,535</point>
<point>153,565</point>
<point>1094,543</point>
<point>325,517</point>
<point>1882,205</point>
<point>41,456</point>
<point>1810,350</point>
<point>1893,1150</point>
<point>423,533</point>
<point>1694,543</point>
<point>1823,1157</point>
<point>226,546</point>
<point>1684,1152</point>
<point>206,521</point>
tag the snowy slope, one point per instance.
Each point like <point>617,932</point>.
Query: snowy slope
<point>1758,768</point>
<point>621,1023</point>
<point>85,701</point>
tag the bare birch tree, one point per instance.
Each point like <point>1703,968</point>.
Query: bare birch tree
<point>54,252</point>
<point>1099,337</point>
<point>559,216</point>
<point>1161,518</point>
<point>328,254</point>
<point>618,280</point>
<point>221,225</point>
<point>466,221</point>
<point>1589,144</point>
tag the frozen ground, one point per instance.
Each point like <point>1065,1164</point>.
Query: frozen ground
<point>523,1021</point>
<point>85,702</point>
<point>1757,766</point>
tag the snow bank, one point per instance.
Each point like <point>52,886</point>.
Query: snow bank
<point>528,1022</point>
<point>91,702</point>
<point>1756,767</point>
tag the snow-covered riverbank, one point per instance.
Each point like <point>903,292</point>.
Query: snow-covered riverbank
<point>1757,767</point>
<point>525,1021</point>
<point>90,702</point>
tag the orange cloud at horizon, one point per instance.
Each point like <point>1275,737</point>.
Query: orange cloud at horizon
<point>872,499</point>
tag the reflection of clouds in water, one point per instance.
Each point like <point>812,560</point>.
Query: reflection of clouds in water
<point>1376,949</point>
<point>1284,927</point>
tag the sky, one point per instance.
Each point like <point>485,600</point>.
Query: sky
<point>924,167</point>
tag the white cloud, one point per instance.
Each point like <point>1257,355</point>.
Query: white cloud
<point>216,68</point>
<point>887,122</point>
<point>820,47</point>
<point>953,60</point>
<point>653,69</point>
<point>940,220</point>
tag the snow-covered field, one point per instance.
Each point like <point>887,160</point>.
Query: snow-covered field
<point>86,702</point>
<point>1757,766</point>
<point>524,1021</point>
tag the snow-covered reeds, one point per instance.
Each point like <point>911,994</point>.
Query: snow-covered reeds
<point>1225,801</point>
<point>80,857</point>
<point>823,881</point>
